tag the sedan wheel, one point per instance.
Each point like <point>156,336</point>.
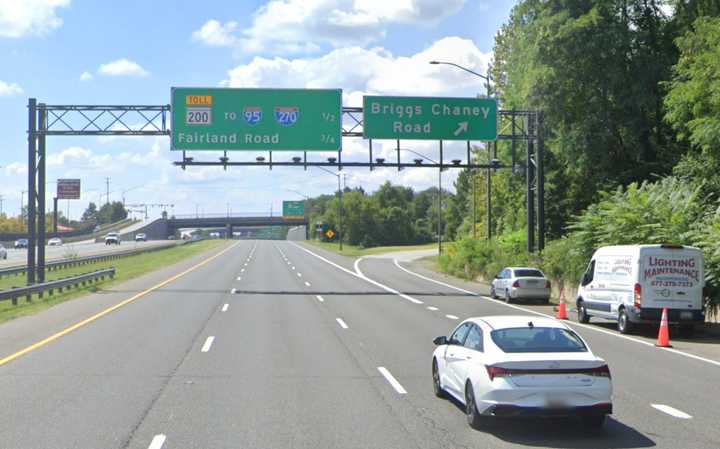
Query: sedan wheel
<point>437,388</point>
<point>593,421</point>
<point>493,293</point>
<point>474,418</point>
<point>508,299</point>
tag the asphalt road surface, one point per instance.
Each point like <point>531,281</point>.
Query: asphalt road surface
<point>282,345</point>
<point>67,250</point>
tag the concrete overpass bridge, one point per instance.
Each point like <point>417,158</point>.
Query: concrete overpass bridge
<point>164,227</point>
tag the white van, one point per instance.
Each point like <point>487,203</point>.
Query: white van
<point>633,283</point>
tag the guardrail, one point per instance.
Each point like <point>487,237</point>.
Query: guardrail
<point>58,284</point>
<point>71,262</point>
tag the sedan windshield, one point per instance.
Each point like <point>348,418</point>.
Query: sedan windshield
<point>537,339</point>
<point>528,274</point>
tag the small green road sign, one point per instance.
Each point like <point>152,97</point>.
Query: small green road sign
<point>294,210</point>
<point>429,118</point>
<point>256,119</point>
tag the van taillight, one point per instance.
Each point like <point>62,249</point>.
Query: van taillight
<point>495,371</point>
<point>516,284</point>
<point>548,285</point>
<point>638,296</point>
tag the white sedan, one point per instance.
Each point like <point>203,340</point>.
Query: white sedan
<point>55,241</point>
<point>520,282</point>
<point>521,366</point>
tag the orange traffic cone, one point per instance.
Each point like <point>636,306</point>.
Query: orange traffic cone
<point>663,340</point>
<point>561,311</point>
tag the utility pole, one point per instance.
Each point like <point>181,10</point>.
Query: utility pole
<point>107,190</point>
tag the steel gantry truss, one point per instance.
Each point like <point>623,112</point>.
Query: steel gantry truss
<point>75,120</point>
<point>518,127</point>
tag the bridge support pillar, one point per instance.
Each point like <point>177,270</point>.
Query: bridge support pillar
<point>228,231</point>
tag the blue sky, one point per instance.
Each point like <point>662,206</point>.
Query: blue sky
<point>132,52</point>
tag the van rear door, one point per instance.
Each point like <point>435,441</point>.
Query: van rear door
<point>672,277</point>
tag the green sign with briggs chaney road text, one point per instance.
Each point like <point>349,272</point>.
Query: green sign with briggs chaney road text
<point>429,118</point>
<point>256,119</point>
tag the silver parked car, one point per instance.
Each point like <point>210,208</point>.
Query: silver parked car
<point>520,282</point>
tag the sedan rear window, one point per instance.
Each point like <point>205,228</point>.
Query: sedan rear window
<point>537,339</point>
<point>528,274</point>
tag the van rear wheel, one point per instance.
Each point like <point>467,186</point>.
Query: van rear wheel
<point>624,325</point>
<point>582,315</point>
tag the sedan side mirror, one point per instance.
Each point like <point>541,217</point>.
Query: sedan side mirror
<point>439,341</point>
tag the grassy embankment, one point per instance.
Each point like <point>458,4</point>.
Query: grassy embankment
<point>356,251</point>
<point>126,268</point>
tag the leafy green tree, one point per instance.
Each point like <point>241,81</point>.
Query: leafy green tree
<point>693,102</point>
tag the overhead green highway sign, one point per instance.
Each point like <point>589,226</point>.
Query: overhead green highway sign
<point>429,118</point>
<point>256,119</point>
<point>294,210</point>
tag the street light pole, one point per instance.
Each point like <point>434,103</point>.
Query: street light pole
<point>340,208</point>
<point>487,79</point>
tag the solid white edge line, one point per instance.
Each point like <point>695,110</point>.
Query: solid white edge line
<point>433,308</point>
<point>307,283</point>
<point>225,307</point>
<point>157,441</point>
<point>671,411</point>
<point>397,264</point>
<point>391,380</point>
<point>597,329</point>
<point>320,298</point>
<point>341,323</point>
<point>208,343</point>
<point>452,317</point>
<point>359,274</point>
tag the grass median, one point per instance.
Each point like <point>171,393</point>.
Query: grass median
<point>356,251</point>
<point>125,268</point>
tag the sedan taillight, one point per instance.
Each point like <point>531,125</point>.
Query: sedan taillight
<point>496,371</point>
<point>600,371</point>
<point>548,285</point>
<point>516,284</point>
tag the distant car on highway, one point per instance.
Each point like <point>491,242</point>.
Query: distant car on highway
<point>520,282</point>
<point>3,252</point>
<point>21,243</point>
<point>171,237</point>
<point>55,241</point>
<point>521,366</point>
<point>112,238</point>
<point>140,237</point>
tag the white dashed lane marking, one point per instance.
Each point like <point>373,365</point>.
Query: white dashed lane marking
<point>208,344</point>
<point>391,380</point>
<point>225,307</point>
<point>157,442</point>
<point>671,411</point>
<point>341,323</point>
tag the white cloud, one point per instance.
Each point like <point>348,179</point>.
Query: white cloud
<point>122,67</point>
<point>216,34</point>
<point>358,70</point>
<point>19,18</point>
<point>9,89</point>
<point>302,26</point>
<point>86,76</point>
<point>16,169</point>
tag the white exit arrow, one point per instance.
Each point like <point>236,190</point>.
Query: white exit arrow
<point>462,127</point>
